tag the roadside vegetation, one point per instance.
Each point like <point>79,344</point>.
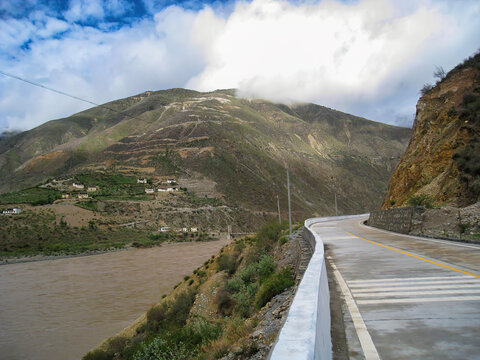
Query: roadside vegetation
<point>173,330</point>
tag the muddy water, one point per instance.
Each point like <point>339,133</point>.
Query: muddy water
<point>59,309</point>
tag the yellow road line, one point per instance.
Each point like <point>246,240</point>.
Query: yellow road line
<point>417,257</point>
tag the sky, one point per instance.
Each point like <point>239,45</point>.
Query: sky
<point>365,57</point>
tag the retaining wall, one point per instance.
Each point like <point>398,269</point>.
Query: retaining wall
<point>306,332</point>
<point>400,220</point>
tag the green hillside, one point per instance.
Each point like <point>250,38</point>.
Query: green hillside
<point>218,146</point>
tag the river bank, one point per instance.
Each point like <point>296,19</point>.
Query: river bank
<point>73,303</point>
<point>35,258</point>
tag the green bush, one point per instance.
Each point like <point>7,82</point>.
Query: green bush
<point>265,266</point>
<point>227,262</point>
<point>160,349</point>
<point>224,302</point>
<point>421,200</point>
<point>156,316</point>
<point>98,355</point>
<point>179,309</point>
<point>274,285</point>
<point>235,285</point>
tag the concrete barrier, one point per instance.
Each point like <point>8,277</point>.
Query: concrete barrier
<point>306,332</point>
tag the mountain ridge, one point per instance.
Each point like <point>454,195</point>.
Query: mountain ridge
<point>239,145</point>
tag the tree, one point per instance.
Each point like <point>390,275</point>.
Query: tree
<point>439,73</point>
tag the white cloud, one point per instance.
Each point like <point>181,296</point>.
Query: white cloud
<point>81,10</point>
<point>368,57</point>
<point>329,53</point>
<point>97,66</point>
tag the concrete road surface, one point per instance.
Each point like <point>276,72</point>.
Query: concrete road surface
<point>405,297</point>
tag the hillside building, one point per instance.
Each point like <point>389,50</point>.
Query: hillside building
<point>83,196</point>
<point>78,186</point>
<point>14,211</point>
<point>141,181</point>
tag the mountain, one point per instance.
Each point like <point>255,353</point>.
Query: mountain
<point>217,146</point>
<point>442,161</point>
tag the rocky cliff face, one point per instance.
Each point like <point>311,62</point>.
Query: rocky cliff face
<point>442,160</point>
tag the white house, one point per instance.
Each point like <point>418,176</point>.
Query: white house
<point>162,190</point>
<point>141,181</point>
<point>14,211</point>
<point>83,196</point>
<point>65,196</point>
<point>193,229</point>
<point>164,228</point>
<point>171,181</point>
<point>92,188</point>
<point>78,186</point>
<point>149,191</point>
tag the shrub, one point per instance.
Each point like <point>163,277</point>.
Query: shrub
<point>200,331</point>
<point>117,344</point>
<point>235,285</point>
<point>155,316</point>
<point>283,239</point>
<point>227,262</point>
<point>265,266</point>
<point>247,274</point>
<point>224,302</point>
<point>463,228</point>
<point>274,285</point>
<point>160,349</point>
<point>421,200</point>
<point>426,88</point>
<point>98,354</point>
<point>243,301</point>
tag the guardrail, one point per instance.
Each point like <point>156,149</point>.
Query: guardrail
<point>306,332</point>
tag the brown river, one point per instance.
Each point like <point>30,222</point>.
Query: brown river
<point>60,309</point>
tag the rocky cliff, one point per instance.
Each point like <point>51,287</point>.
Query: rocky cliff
<point>442,162</point>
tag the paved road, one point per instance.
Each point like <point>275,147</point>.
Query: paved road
<point>405,297</point>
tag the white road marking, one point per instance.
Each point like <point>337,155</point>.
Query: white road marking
<point>414,300</point>
<point>415,283</point>
<point>393,288</point>
<point>415,293</point>
<point>368,347</point>
<point>411,278</point>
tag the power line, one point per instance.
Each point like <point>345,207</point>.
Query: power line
<point>61,92</point>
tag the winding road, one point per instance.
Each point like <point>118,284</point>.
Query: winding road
<point>405,297</point>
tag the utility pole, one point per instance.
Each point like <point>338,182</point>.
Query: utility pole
<point>336,210</point>
<point>278,206</point>
<point>289,204</point>
<point>335,192</point>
